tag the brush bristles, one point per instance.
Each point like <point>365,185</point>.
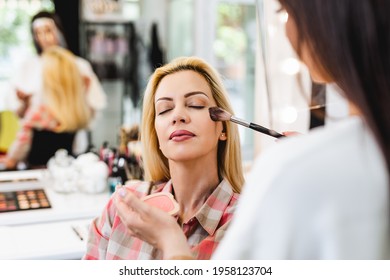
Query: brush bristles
<point>217,114</point>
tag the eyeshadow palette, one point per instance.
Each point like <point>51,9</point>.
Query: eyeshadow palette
<point>23,200</point>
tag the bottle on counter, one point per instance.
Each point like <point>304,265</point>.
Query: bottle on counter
<point>104,152</point>
<point>118,171</point>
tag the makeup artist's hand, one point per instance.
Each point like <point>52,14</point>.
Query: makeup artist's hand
<point>291,133</point>
<point>288,134</point>
<point>151,225</point>
<point>22,96</point>
<point>25,99</point>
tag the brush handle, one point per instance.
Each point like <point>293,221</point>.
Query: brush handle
<point>265,130</point>
<point>257,127</point>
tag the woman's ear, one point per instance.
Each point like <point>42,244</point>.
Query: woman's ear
<point>223,136</point>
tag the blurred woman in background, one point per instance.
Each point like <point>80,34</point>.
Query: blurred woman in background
<point>61,109</point>
<point>26,82</point>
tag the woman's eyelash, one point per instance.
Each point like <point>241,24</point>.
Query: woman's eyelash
<point>190,106</point>
<point>164,111</point>
<point>197,107</point>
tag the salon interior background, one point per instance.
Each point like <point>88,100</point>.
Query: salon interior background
<point>224,32</point>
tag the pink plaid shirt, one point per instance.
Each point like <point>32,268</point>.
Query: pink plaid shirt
<point>36,117</point>
<point>108,238</point>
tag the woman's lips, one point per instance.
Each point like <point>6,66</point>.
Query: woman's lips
<point>181,135</point>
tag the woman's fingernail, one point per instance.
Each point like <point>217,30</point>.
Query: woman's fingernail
<point>122,192</point>
<point>118,186</point>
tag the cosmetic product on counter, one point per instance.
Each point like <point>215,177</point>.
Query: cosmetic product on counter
<point>63,174</point>
<point>118,172</point>
<point>104,152</point>
<point>92,173</point>
<point>23,200</point>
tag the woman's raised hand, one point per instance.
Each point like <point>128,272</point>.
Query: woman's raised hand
<point>151,224</point>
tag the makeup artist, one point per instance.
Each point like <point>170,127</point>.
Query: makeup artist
<point>324,195</point>
<point>186,154</point>
<point>26,83</point>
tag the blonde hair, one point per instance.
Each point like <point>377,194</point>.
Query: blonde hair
<point>229,151</point>
<point>64,90</point>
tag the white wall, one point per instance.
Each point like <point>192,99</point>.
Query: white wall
<point>153,11</point>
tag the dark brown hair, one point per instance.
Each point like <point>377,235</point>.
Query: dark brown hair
<point>58,24</point>
<point>350,41</point>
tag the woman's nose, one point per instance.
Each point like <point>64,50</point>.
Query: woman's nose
<point>180,116</point>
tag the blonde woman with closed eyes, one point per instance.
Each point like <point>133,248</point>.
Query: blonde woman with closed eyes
<point>185,154</point>
<point>324,195</point>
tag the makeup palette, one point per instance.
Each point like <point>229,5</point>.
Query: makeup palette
<point>23,200</point>
<point>163,201</point>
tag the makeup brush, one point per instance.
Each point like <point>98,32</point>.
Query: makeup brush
<point>218,114</point>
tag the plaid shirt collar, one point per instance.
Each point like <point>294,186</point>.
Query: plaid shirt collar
<point>210,214</point>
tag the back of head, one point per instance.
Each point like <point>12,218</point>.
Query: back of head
<point>229,151</point>
<point>64,90</point>
<point>350,40</point>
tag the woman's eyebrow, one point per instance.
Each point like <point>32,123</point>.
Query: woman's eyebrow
<point>195,93</point>
<point>189,94</point>
<point>164,98</point>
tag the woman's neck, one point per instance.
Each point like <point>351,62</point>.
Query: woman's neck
<point>192,184</point>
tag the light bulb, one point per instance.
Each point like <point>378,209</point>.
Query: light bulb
<point>290,66</point>
<point>283,17</point>
<point>289,114</point>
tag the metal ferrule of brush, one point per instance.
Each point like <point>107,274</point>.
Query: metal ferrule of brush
<point>239,121</point>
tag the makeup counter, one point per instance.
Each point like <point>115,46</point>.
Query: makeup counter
<point>37,222</point>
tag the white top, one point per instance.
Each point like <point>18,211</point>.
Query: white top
<point>28,78</point>
<point>320,196</point>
